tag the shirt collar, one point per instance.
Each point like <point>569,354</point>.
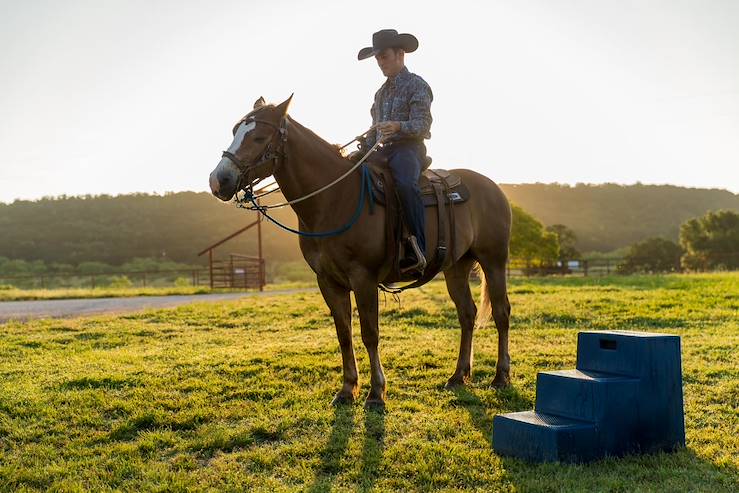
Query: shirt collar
<point>399,77</point>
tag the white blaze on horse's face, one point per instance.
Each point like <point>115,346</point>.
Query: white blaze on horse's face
<point>241,132</point>
<point>225,176</point>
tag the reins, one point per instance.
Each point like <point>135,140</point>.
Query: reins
<point>322,189</point>
<point>272,156</point>
<point>365,186</point>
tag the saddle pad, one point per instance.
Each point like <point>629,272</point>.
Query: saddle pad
<point>458,191</point>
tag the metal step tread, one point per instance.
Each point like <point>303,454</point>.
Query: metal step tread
<point>589,375</point>
<point>547,420</point>
<point>544,437</point>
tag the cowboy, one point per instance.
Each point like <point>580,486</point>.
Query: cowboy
<point>401,114</point>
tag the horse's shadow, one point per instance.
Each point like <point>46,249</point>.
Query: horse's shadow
<point>335,449</point>
<point>372,450</point>
<point>338,442</point>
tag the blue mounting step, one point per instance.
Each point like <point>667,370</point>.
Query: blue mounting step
<point>544,437</point>
<point>625,396</point>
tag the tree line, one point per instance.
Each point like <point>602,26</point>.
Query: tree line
<point>115,230</point>
<point>63,233</point>
<point>609,216</point>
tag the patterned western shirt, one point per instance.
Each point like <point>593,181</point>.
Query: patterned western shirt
<point>405,98</point>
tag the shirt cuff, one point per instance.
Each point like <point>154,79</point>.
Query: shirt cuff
<point>406,128</point>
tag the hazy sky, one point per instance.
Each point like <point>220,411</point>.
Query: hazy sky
<point>108,96</point>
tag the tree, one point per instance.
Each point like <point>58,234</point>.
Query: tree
<point>529,239</point>
<point>711,241</point>
<point>652,255</point>
<point>566,239</point>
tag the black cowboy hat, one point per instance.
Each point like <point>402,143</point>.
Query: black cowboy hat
<point>388,38</point>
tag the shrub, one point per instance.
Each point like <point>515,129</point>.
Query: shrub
<point>652,255</point>
<point>182,282</point>
<point>120,282</point>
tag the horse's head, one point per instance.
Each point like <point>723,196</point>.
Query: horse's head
<point>254,151</point>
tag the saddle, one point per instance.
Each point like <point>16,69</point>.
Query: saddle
<point>439,188</point>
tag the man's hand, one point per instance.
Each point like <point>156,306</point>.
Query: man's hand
<point>387,129</point>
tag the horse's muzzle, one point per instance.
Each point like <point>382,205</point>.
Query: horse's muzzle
<point>223,181</point>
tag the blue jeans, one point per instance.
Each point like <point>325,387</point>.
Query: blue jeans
<point>405,160</point>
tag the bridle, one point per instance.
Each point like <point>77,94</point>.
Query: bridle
<point>268,155</point>
<point>276,154</point>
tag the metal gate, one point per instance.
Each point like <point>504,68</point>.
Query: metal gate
<point>238,271</point>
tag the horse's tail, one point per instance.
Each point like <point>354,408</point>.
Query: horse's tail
<point>485,310</point>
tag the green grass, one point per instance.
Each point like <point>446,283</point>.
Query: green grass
<point>235,396</point>
<point>14,294</point>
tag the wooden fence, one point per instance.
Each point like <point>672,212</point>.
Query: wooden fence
<point>245,272</point>
<point>238,274</point>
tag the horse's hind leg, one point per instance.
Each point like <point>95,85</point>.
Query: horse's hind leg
<point>458,285</point>
<point>495,280</point>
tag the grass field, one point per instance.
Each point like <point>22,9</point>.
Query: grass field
<point>235,397</point>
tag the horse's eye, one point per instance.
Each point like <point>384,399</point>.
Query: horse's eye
<point>259,140</point>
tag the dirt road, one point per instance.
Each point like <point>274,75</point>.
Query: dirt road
<point>26,310</point>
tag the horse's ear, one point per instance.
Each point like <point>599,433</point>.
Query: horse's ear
<point>283,106</point>
<point>259,103</point>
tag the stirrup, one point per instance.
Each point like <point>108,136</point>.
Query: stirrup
<point>421,264</point>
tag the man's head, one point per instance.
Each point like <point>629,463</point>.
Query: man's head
<point>389,49</point>
<point>391,61</point>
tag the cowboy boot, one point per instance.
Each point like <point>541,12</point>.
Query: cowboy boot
<point>420,264</point>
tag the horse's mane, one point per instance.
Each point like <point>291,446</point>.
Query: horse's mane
<point>327,147</point>
<point>324,146</point>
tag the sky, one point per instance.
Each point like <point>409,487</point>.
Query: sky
<point>106,96</point>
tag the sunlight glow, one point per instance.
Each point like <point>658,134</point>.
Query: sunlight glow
<point>524,91</point>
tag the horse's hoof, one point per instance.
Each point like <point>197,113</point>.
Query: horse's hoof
<point>376,405</point>
<point>501,383</point>
<point>343,399</point>
<point>454,383</point>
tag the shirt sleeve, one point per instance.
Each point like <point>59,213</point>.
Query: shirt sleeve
<point>372,134</point>
<point>419,119</point>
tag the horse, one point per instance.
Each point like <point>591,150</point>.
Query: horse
<point>268,142</point>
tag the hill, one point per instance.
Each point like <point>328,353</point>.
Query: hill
<point>176,226</point>
<point>609,216</point>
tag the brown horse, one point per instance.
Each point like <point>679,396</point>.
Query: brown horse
<point>267,142</point>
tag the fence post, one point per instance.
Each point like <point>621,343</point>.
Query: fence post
<point>92,279</point>
<point>231,272</point>
<point>210,264</point>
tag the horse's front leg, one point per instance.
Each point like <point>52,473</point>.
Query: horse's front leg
<point>338,301</point>
<point>365,293</point>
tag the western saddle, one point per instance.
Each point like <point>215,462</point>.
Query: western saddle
<point>439,188</point>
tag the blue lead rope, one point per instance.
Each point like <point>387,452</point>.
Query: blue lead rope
<point>365,186</point>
